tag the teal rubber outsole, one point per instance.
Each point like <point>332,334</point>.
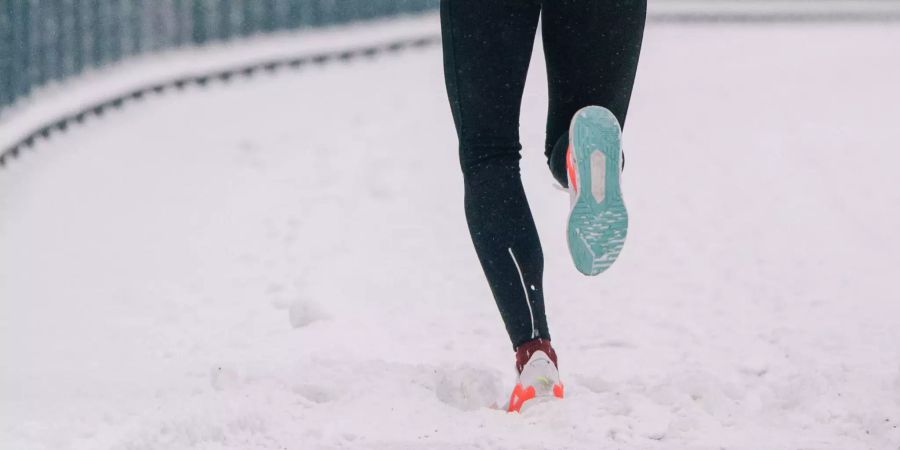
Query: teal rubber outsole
<point>598,222</point>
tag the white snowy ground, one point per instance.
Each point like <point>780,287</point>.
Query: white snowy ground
<point>152,264</point>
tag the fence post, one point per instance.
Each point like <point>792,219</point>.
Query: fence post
<point>269,15</point>
<point>78,36</point>
<point>181,31</point>
<point>38,38</point>
<point>115,20</point>
<point>136,23</point>
<point>200,32</point>
<point>225,10</point>
<point>310,12</point>
<point>63,39</point>
<point>325,12</point>
<point>159,34</point>
<point>25,56</point>
<point>294,14</point>
<point>96,32</point>
<point>6,54</point>
<point>248,18</point>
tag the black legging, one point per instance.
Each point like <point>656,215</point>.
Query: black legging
<point>591,49</point>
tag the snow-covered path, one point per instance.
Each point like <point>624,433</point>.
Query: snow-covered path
<point>284,263</point>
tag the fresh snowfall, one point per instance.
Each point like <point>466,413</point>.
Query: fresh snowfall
<point>283,262</point>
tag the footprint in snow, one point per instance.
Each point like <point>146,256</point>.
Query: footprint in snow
<point>304,312</point>
<point>467,388</point>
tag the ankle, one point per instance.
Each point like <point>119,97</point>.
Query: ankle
<point>528,348</point>
<point>556,159</point>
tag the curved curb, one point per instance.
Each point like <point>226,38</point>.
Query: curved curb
<point>98,109</point>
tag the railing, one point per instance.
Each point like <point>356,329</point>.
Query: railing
<point>51,40</point>
<point>46,41</point>
<point>42,41</point>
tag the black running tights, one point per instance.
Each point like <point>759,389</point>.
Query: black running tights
<point>591,49</point>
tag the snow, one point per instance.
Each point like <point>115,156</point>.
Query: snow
<point>798,9</point>
<point>283,263</point>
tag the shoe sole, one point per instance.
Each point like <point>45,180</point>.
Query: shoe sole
<point>598,220</point>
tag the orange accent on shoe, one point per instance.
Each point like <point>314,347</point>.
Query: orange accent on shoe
<point>570,168</point>
<point>559,390</point>
<point>519,396</point>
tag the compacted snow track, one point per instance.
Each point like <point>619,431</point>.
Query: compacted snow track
<point>284,263</point>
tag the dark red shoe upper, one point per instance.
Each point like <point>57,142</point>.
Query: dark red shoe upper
<point>524,352</point>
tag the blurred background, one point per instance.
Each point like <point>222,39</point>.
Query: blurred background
<point>238,224</point>
<point>52,40</point>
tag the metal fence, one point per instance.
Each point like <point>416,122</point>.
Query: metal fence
<point>50,40</point>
